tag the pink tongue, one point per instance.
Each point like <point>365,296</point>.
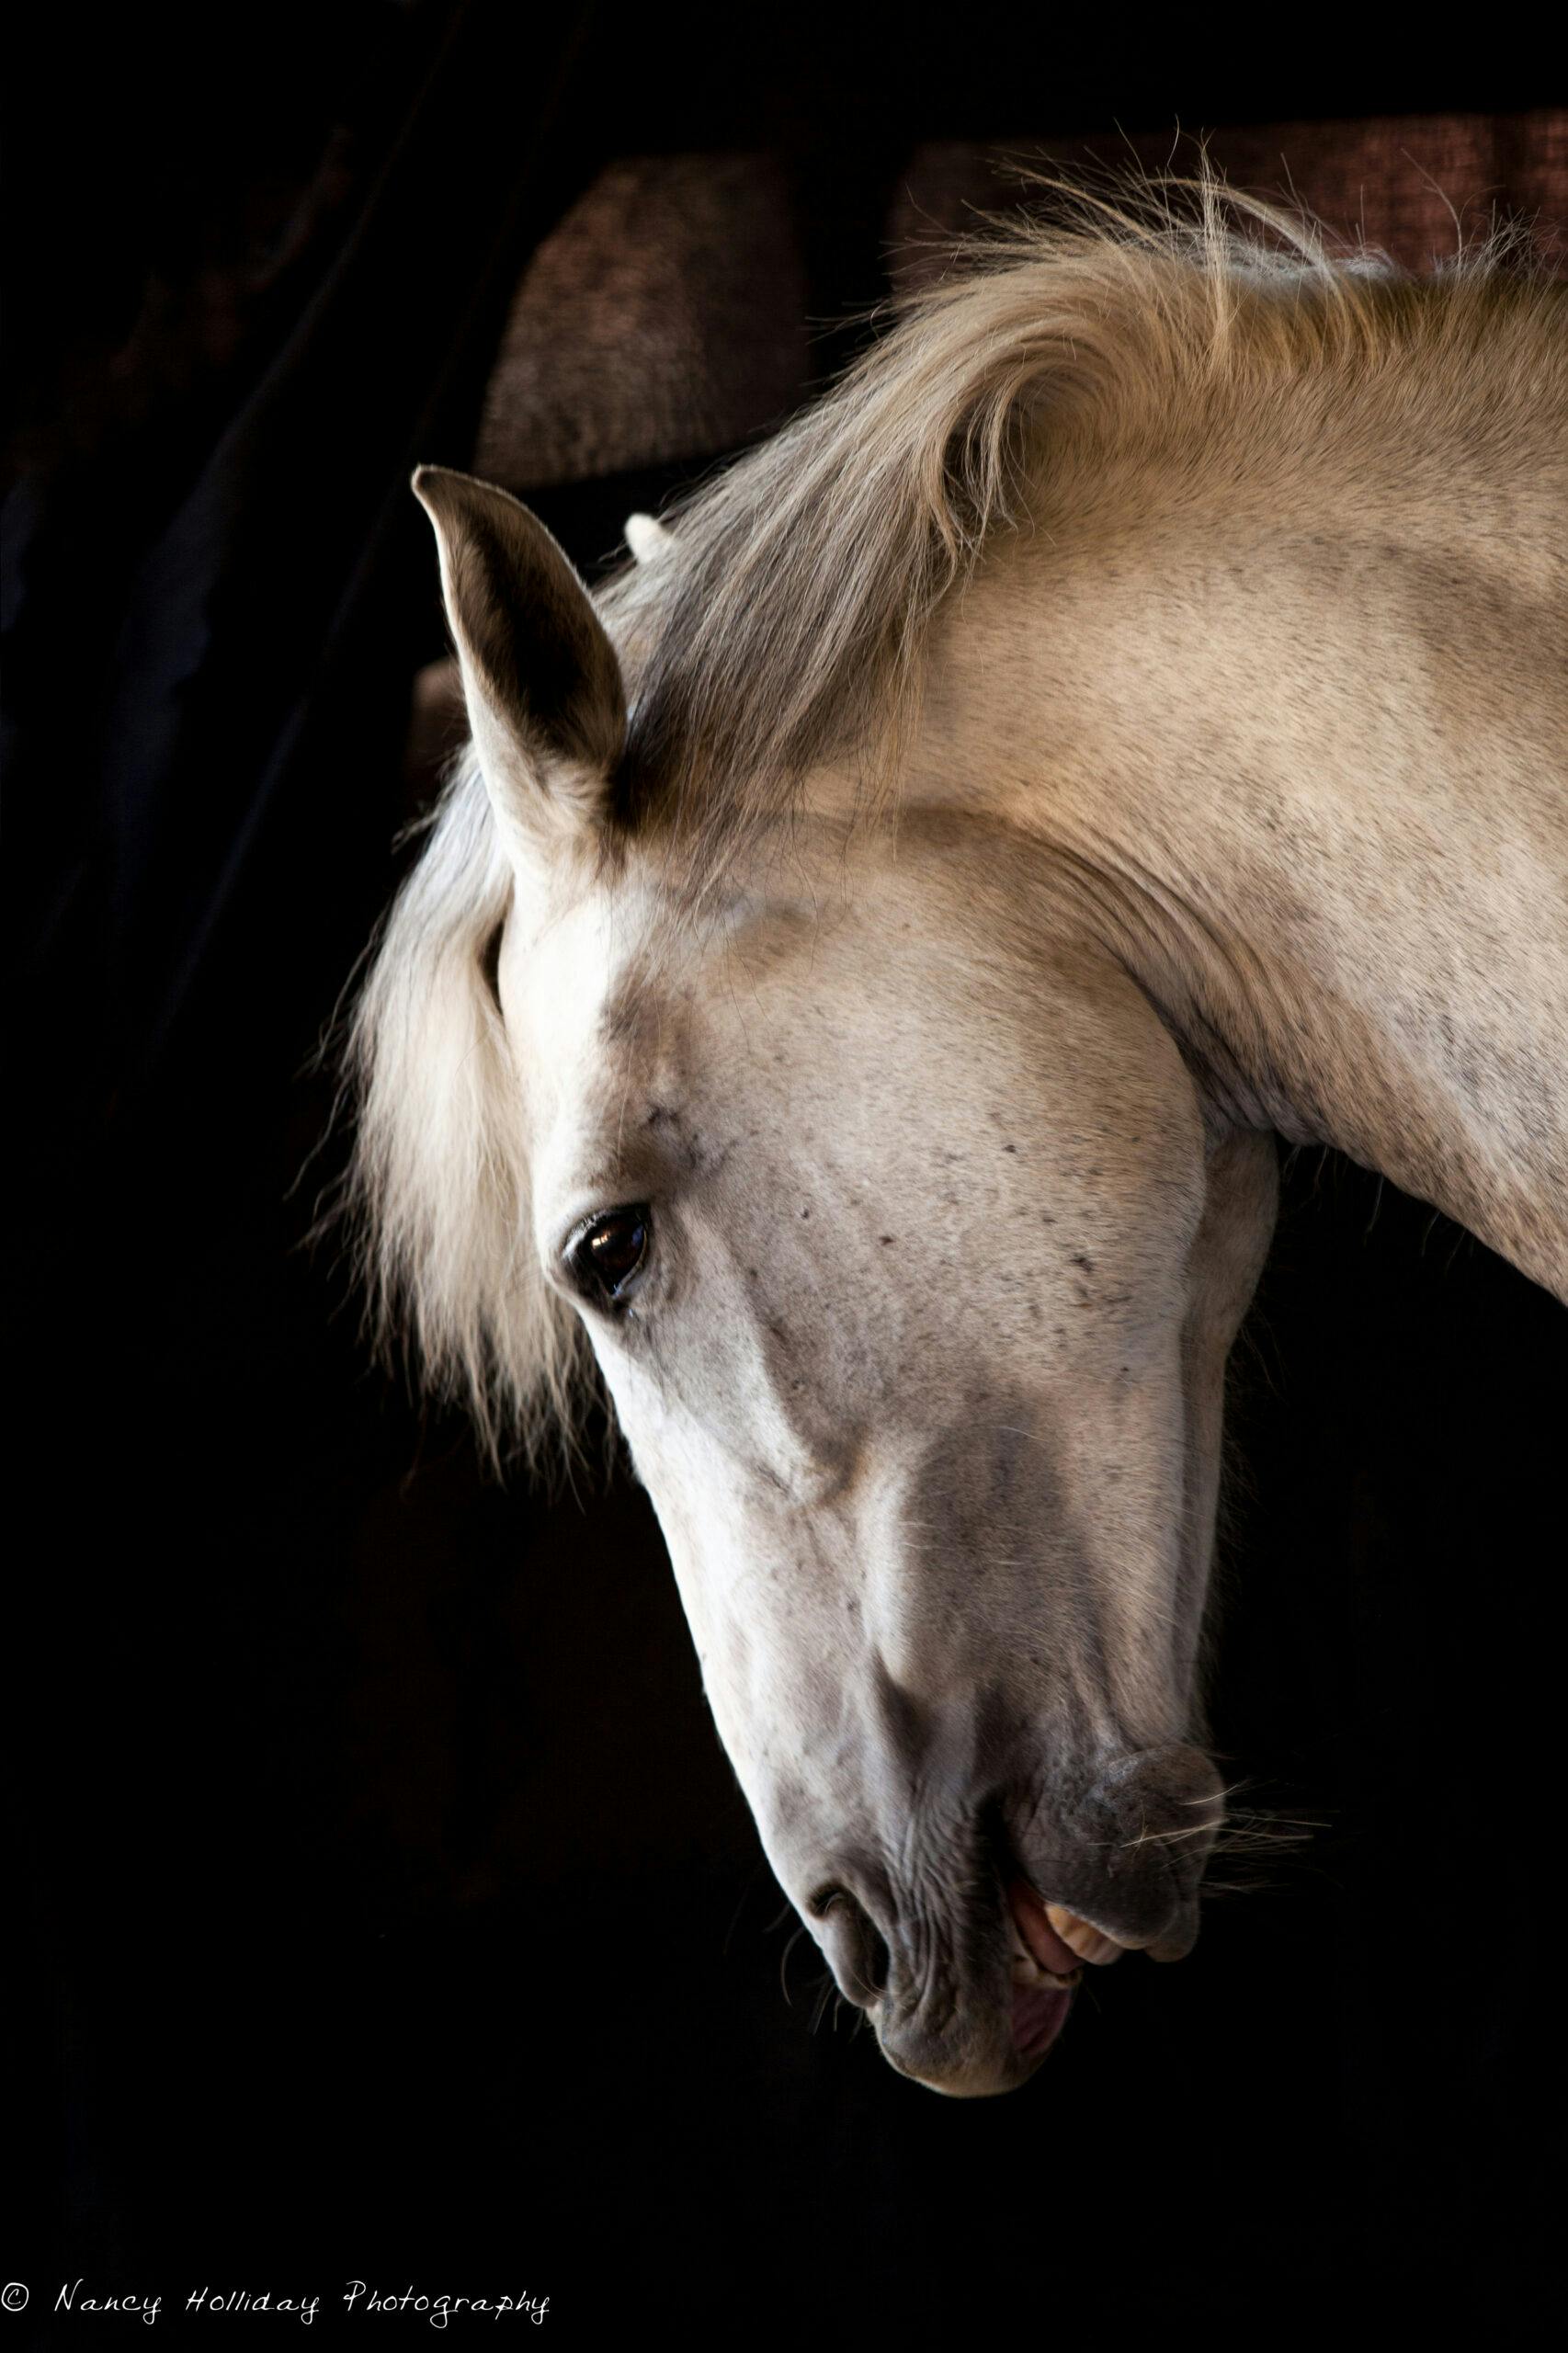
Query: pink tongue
<point>1040,2012</point>
<point>1037,1933</point>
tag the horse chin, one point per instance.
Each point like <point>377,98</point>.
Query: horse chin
<point>1000,2043</point>
<point>998,2053</point>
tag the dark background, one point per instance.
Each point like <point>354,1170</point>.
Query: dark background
<point>384,1906</point>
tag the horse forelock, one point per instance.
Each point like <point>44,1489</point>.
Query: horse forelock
<point>438,1190</point>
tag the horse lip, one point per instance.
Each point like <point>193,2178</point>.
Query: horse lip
<point>1178,1941</point>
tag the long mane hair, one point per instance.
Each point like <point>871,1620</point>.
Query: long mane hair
<point>791,625</point>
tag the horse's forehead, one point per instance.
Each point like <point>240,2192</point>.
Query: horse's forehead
<point>597,990</point>
<point>631,958</point>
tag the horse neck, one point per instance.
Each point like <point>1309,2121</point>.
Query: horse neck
<point>1304,778</point>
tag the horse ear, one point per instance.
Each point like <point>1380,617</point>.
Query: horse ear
<point>648,538</point>
<point>546,703</point>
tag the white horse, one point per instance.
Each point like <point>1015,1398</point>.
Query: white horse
<point>860,970</point>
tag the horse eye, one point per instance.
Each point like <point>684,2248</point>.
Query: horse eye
<point>605,1254</point>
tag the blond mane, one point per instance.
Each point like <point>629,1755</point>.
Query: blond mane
<point>791,629</point>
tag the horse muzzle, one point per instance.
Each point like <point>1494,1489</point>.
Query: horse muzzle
<point>969,1999</point>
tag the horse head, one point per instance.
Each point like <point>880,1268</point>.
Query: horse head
<point>889,1208</point>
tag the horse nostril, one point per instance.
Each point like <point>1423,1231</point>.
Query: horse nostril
<point>858,1951</point>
